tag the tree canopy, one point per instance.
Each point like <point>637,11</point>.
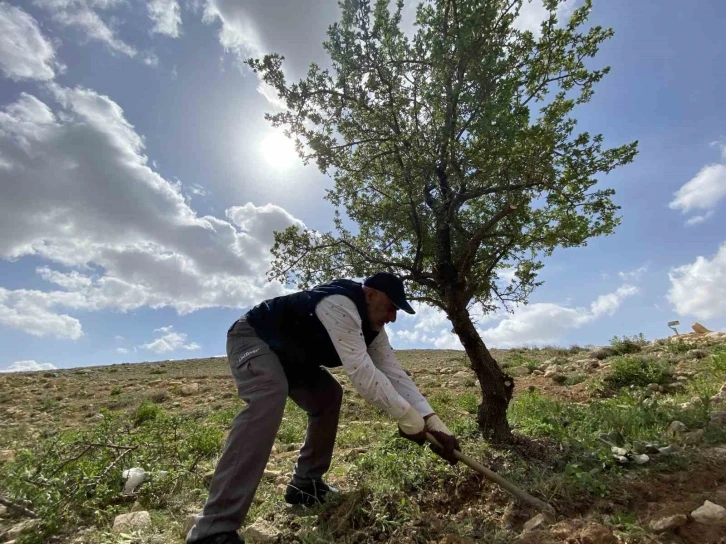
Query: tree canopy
<point>455,152</point>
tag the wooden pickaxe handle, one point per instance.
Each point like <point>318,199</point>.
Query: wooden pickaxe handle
<point>542,506</point>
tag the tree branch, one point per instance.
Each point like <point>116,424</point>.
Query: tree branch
<point>18,508</point>
<point>467,257</point>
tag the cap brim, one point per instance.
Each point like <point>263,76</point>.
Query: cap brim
<point>403,305</point>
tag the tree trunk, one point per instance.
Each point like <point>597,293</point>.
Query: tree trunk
<point>496,386</point>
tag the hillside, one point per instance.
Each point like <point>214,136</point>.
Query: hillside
<point>595,437</point>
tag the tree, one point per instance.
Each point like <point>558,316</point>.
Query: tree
<point>441,159</point>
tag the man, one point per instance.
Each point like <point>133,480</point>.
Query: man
<point>276,350</point>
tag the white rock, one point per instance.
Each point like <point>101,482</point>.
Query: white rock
<point>619,451</point>
<point>24,527</point>
<point>669,523</point>
<point>260,532</point>
<point>7,455</point>
<point>676,427</point>
<point>641,459</point>
<point>133,520</point>
<point>709,513</point>
<point>133,477</point>
<point>535,523</point>
<point>271,474</point>
<point>552,370</point>
<point>3,509</point>
<point>189,389</point>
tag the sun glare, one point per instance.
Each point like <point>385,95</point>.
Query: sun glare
<point>279,151</point>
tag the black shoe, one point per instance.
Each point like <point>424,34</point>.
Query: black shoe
<point>308,494</point>
<point>221,538</point>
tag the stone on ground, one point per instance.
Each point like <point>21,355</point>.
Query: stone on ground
<point>537,522</point>
<point>668,523</point>
<point>261,532</point>
<point>133,520</point>
<point>594,533</point>
<point>709,513</point>
<point>24,527</point>
<point>7,455</point>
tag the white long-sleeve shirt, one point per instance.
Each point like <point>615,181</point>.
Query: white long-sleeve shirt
<point>374,371</point>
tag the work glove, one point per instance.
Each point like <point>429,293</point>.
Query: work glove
<point>443,435</point>
<point>412,426</point>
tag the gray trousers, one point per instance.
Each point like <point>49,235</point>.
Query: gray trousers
<point>261,382</point>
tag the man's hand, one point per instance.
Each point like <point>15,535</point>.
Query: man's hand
<point>443,436</point>
<point>412,426</point>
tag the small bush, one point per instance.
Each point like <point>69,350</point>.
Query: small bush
<point>637,371</point>
<point>159,396</point>
<point>147,412</point>
<point>627,345</point>
<point>116,391</point>
<point>157,371</point>
<point>677,347</point>
<point>577,378</point>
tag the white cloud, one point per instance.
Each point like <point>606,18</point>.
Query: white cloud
<point>533,13</point>
<point>699,288</point>
<point>697,219</point>
<point>608,304</point>
<point>540,323</point>
<point>24,52</point>
<point>721,147</point>
<point>544,323</point>
<point>31,312</point>
<point>150,59</point>
<point>633,275</point>
<point>703,192</point>
<point>121,350</point>
<point>198,190</point>
<point>84,15</point>
<point>170,341</point>
<point>237,33</point>
<point>166,15</point>
<point>28,366</point>
<point>85,198</point>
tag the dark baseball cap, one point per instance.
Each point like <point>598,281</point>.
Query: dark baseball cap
<point>392,285</point>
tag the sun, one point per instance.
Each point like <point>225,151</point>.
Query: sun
<point>278,151</point>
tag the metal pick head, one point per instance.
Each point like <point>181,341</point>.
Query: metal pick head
<point>672,325</point>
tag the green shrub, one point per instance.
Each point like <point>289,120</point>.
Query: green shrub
<point>147,412</point>
<point>627,345</point>
<point>677,347</point>
<point>72,479</point>
<point>637,371</point>
<point>159,396</point>
<point>157,371</point>
<point>116,391</point>
<point>577,378</point>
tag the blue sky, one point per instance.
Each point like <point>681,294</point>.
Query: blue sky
<point>140,184</point>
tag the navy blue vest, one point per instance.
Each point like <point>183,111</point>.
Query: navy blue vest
<point>289,325</point>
